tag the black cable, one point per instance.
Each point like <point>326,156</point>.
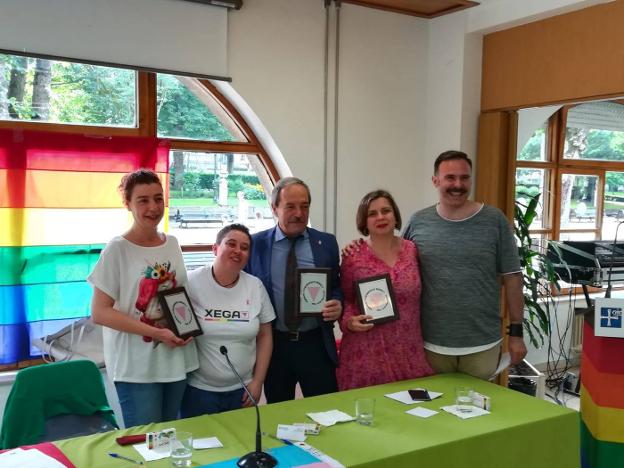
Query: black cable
<point>555,371</point>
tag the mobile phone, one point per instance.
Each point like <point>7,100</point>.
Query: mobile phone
<point>419,394</point>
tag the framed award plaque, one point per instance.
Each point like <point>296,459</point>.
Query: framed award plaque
<point>313,290</point>
<point>376,298</point>
<point>176,306</point>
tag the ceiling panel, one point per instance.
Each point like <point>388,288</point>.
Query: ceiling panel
<point>421,8</point>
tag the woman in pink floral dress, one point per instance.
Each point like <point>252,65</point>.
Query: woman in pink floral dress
<point>385,352</point>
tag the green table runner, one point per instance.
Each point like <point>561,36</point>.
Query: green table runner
<point>521,431</point>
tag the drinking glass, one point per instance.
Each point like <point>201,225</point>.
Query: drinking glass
<point>463,399</point>
<point>365,411</point>
<point>182,449</point>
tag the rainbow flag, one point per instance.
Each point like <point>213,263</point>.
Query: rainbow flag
<point>602,401</point>
<point>59,205</point>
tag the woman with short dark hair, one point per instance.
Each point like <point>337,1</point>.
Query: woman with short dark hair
<point>234,310</point>
<point>147,362</point>
<point>384,352</point>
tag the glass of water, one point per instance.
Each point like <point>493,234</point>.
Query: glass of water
<point>365,411</point>
<point>182,449</point>
<point>463,399</point>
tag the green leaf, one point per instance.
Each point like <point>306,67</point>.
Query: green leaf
<point>538,273</point>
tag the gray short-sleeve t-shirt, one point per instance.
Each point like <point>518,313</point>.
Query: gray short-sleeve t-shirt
<point>460,265</point>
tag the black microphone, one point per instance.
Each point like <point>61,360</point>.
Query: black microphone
<point>614,249</point>
<point>258,458</point>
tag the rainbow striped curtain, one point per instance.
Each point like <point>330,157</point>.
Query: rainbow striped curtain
<point>602,400</point>
<point>59,205</point>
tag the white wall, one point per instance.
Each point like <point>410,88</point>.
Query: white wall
<point>407,88</point>
<point>451,80</point>
<point>277,62</point>
<point>148,33</point>
<point>382,110</point>
<point>275,50</point>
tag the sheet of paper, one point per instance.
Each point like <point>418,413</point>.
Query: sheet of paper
<point>421,412</point>
<point>403,397</point>
<point>331,417</point>
<point>31,458</point>
<point>472,414</point>
<point>289,432</point>
<point>503,364</point>
<point>207,443</point>
<point>151,455</point>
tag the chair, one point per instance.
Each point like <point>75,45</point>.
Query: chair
<point>55,401</point>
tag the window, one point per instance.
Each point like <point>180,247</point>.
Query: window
<point>613,203</point>
<point>576,161</point>
<point>530,182</point>
<point>595,131</point>
<point>535,148</point>
<point>40,90</point>
<point>70,125</point>
<point>210,190</point>
<point>185,109</point>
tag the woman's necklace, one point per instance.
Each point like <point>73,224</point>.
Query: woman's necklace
<point>219,282</point>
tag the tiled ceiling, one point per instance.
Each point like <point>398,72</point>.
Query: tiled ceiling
<point>421,8</point>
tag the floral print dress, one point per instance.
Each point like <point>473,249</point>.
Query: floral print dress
<point>389,351</point>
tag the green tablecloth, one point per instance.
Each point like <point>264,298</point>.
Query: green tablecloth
<point>521,431</point>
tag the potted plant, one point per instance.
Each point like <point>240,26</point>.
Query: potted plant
<point>538,273</point>
<point>540,281</point>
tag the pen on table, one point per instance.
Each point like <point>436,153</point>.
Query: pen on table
<point>121,457</point>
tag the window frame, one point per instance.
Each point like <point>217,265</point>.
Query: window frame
<point>557,165</point>
<point>597,230</point>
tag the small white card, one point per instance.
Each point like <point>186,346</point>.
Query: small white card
<point>421,412</point>
<point>207,443</point>
<point>310,428</point>
<point>331,417</point>
<point>404,397</point>
<point>608,318</point>
<point>288,432</point>
<point>465,415</point>
<point>159,440</point>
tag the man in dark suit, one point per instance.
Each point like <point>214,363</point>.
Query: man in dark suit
<point>304,350</point>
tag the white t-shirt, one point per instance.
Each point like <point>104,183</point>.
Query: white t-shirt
<point>230,317</point>
<point>132,275</point>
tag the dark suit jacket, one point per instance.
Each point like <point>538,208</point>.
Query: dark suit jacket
<point>326,255</point>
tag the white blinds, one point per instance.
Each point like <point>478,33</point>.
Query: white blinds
<point>169,35</point>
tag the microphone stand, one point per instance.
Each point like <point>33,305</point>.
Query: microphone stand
<point>613,250</point>
<point>257,459</point>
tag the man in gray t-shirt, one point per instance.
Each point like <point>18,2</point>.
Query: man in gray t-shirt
<point>465,248</point>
